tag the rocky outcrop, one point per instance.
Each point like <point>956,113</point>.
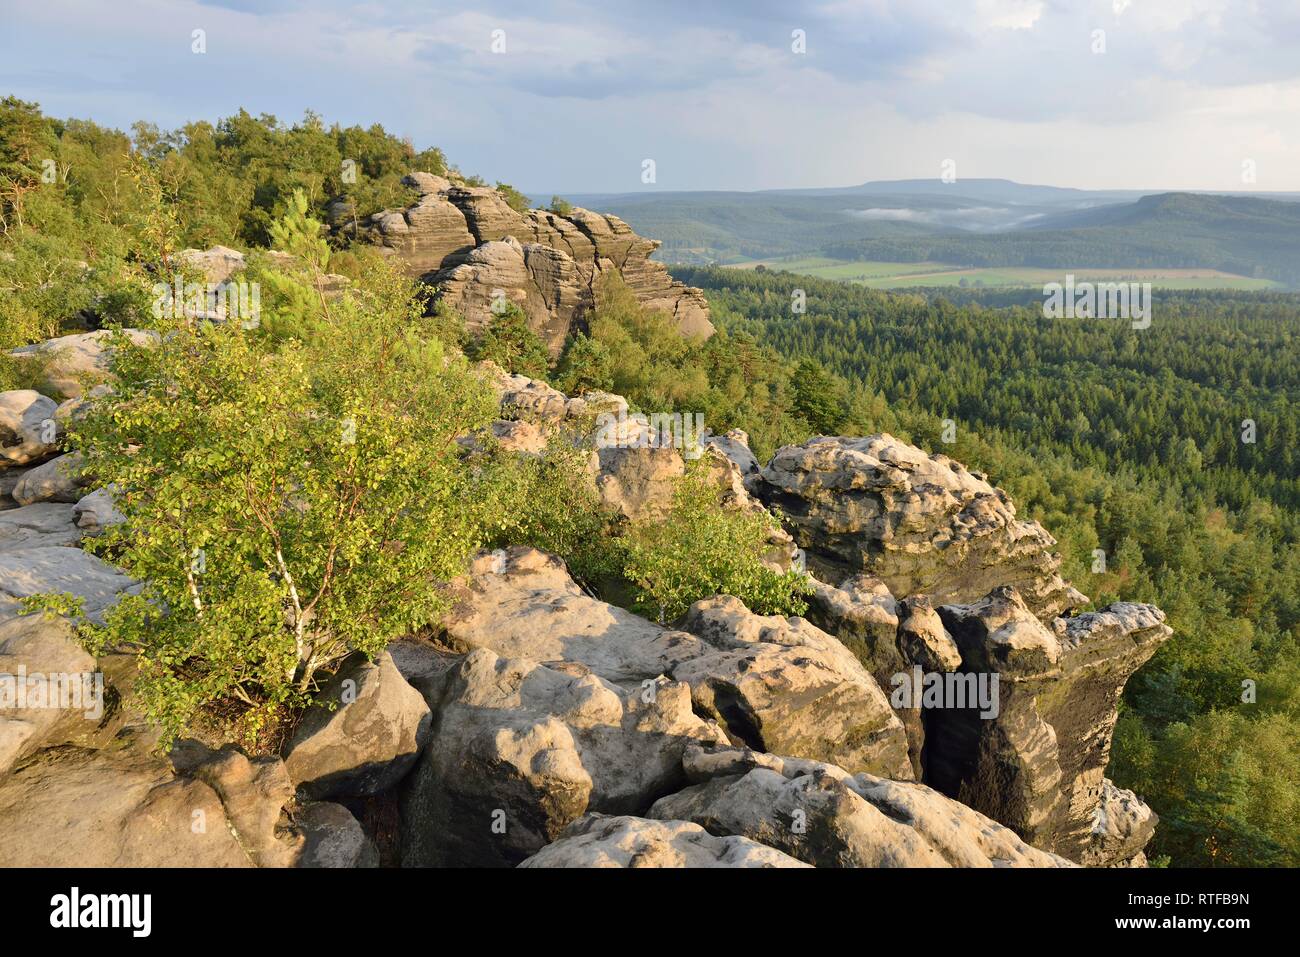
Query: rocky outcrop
<point>784,686</point>
<point>362,735</point>
<point>598,840</point>
<point>1038,765</point>
<point>73,361</point>
<point>520,750</point>
<point>918,523</point>
<point>479,252</point>
<point>825,816</point>
<point>121,806</point>
<point>769,682</point>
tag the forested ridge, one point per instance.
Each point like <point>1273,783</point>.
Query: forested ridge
<point>1128,441</point>
<point>1237,234</point>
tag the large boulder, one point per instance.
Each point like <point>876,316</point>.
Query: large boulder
<point>28,428</point>
<point>785,686</point>
<point>48,685</point>
<point>1037,765</point>
<point>61,479</point>
<point>74,360</point>
<point>40,569</point>
<point>520,750</point>
<point>42,524</point>
<point>826,817</point>
<point>216,264</point>
<point>123,806</point>
<point>598,840</point>
<point>362,735</point>
<point>97,511</point>
<point>522,603</point>
<point>919,523</point>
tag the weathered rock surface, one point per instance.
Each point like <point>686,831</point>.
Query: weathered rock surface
<point>78,807</point>
<point>1038,765</point>
<point>60,479</point>
<point>97,511</point>
<point>1122,825</point>
<point>920,524</point>
<point>43,524</point>
<point>76,359</point>
<point>890,638</point>
<point>368,742</point>
<point>825,816</point>
<point>734,446</point>
<point>597,840</point>
<point>785,686</point>
<point>772,683</point>
<point>519,751</point>
<point>470,243</point>
<point>333,838</point>
<point>216,264</point>
<point>47,685</point>
<point>59,568</point>
<point>121,806</point>
<point>28,429</point>
<point>522,603</point>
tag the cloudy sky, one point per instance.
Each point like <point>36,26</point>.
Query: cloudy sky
<point>573,95</point>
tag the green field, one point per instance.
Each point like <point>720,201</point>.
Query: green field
<point>885,275</point>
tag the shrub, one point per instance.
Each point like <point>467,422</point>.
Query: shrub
<point>701,548</point>
<point>286,505</point>
<point>584,367</point>
<point>511,343</point>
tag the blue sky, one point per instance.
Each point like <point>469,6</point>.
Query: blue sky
<point>1184,94</point>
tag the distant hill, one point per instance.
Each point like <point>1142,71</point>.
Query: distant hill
<point>1237,234</point>
<point>973,222</point>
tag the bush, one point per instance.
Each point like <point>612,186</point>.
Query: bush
<point>287,505</point>
<point>514,199</point>
<point>511,343</point>
<point>701,548</point>
<point>584,367</point>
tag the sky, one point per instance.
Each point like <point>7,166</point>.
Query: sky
<point>574,96</point>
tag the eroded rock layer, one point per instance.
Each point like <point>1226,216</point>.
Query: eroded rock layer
<point>478,251</point>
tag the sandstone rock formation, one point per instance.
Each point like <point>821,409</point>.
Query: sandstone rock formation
<point>1038,766</point>
<point>76,359</point>
<point>827,817</point>
<point>520,750</point>
<point>769,682</point>
<point>28,429</point>
<point>58,480</point>
<point>120,806</point>
<point>784,686</point>
<point>363,734</point>
<point>598,840</point>
<point>471,244</point>
<point>542,725</point>
<point>42,569</point>
<point>918,523</point>
<point>58,692</point>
